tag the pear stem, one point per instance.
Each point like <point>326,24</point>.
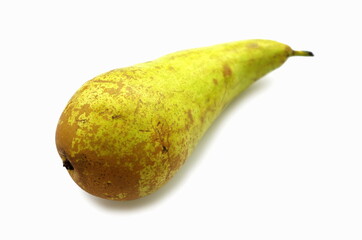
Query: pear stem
<point>302,53</point>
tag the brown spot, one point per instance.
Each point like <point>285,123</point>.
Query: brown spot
<point>102,81</point>
<point>138,106</point>
<point>189,114</point>
<point>161,135</point>
<point>227,72</point>
<point>111,91</point>
<point>141,130</point>
<point>253,45</point>
<point>130,91</point>
<point>203,118</point>
<point>116,116</point>
<point>164,149</point>
<point>215,81</point>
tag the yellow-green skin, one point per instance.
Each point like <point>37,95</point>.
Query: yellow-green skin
<point>126,132</point>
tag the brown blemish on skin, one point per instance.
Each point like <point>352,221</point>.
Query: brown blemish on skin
<point>227,72</point>
<point>138,106</point>
<point>189,114</point>
<point>164,149</point>
<point>215,81</point>
<point>190,121</point>
<point>116,116</point>
<point>252,45</point>
<point>112,91</point>
<point>102,81</point>
<point>161,135</point>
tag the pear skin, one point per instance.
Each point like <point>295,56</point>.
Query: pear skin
<point>126,132</point>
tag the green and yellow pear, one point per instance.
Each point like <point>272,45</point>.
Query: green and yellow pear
<point>126,132</point>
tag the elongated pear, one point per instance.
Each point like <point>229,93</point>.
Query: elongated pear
<point>126,132</point>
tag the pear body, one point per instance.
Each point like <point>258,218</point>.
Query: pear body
<point>126,132</point>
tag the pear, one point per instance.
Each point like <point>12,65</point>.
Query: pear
<point>126,132</point>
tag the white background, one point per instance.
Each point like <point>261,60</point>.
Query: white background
<point>284,161</point>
